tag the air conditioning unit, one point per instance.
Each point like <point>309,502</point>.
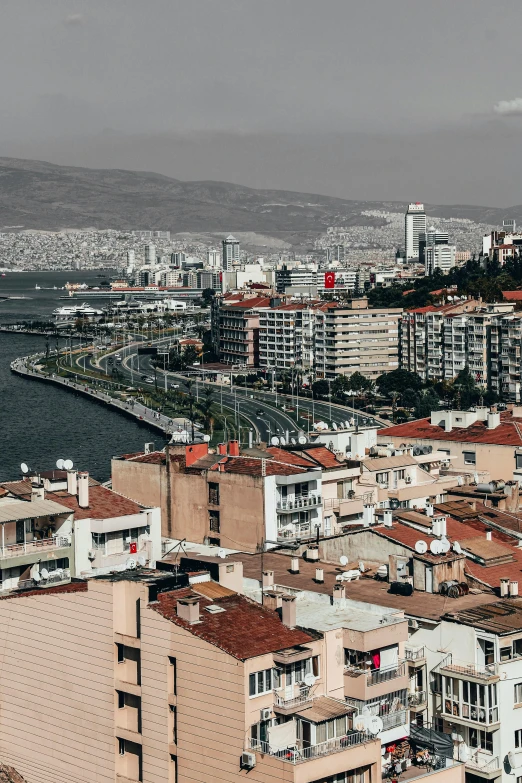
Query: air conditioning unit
<point>248,760</point>
<point>413,624</point>
<point>266,713</point>
<point>408,479</point>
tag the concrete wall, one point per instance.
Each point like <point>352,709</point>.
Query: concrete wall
<point>143,482</point>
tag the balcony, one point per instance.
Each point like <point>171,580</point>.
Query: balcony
<point>365,685</point>
<point>486,767</point>
<point>35,547</point>
<point>471,671</point>
<point>415,656</point>
<point>287,706</point>
<point>394,719</point>
<point>298,754</point>
<point>418,701</point>
<point>298,503</point>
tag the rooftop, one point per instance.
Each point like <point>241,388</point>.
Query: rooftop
<point>501,617</point>
<point>508,432</point>
<point>244,629</point>
<point>15,510</point>
<point>103,503</point>
<point>431,606</point>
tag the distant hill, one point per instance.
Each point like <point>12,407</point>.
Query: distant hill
<point>38,195</point>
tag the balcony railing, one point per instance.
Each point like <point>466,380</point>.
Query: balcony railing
<point>417,699</point>
<point>378,675</point>
<point>296,701</point>
<point>298,754</point>
<point>471,669</point>
<point>414,653</point>
<point>302,501</point>
<point>43,544</point>
<point>394,719</point>
<point>484,764</point>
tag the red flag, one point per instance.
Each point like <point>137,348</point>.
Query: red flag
<point>329,280</point>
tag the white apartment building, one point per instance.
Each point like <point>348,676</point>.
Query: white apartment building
<point>286,337</point>
<point>230,249</point>
<point>439,256</point>
<point>414,226</point>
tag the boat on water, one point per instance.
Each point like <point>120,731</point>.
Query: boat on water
<point>77,311</point>
<point>37,287</point>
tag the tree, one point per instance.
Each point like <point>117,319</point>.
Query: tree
<point>409,398</point>
<point>189,356</point>
<point>398,381</point>
<point>320,389</point>
<point>207,296</point>
<point>340,385</point>
<point>427,402</point>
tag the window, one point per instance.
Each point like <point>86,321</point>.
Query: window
<point>518,738</point>
<point>260,682</point>
<point>174,724</point>
<point>121,700</point>
<point>436,683</point>
<point>98,541</point>
<point>213,493</point>
<point>518,693</point>
<point>400,474</point>
<point>518,460</point>
<point>174,764</point>
<point>469,458</point>
<point>230,568</point>
<point>478,738</point>
<point>173,675</point>
<point>121,653</point>
<point>121,747</point>
<point>213,520</point>
<point>382,478</point>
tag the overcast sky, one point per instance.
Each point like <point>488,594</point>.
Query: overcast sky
<point>381,99</point>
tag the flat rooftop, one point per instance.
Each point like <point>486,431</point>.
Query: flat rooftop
<point>419,605</point>
<point>500,617</point>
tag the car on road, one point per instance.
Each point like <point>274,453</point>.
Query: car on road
<point>174,385</point>
<point>259,412</point>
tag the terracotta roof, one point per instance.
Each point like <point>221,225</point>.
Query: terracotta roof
<point>247,304</point>
<point>70,587</point>
<point>253,467</point>
<point>244,630</point>
<point>103,503</point>
<point>513,296</point>
<point>153,458</point>
<point>10,775</point>
<point>282,455</point>
<point>501,617</point>
<point>486,550</point>
<point>508,433</point>
<point>322,456</point>
<point>18,488</point>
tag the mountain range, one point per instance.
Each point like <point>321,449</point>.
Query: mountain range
<point>45,196</point>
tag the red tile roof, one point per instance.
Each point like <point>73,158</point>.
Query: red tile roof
<point>154,457</point>
<point>512,296</point>
<point>244,630</point>
<point>508,433</point>
<point>253,467</point>
<point>288,456</point>
<point>323,456</point>
<point>103,503</point>
<point>247,304</point>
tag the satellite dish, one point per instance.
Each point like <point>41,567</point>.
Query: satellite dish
<point>374,724</point>
<point>44,573</point>
<point>302,440</point>
<point>24,468</point>
<point>457,547</point>
<point>130,564</point>
<point>347,424</point>
<point>68,464</point>
<point>274,441</point>
<point>59,464</point>
<point>343,560</point>
<point>436,547</point>
<point>282,441</point>
<point>445,544</point>
<point>142,560</point>
<point>36,577</point>
<point>309,680</point>
<point>421,547</point>
<point>206,438</point>
<point>221,553</point>
<point>512,759</point>
<point>394,504</point>
<point>360,722</point>
<point>334,425</point>
<point>293,441</point>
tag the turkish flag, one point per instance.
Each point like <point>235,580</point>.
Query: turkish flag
<point>133,548</point>
<point>329,280</point>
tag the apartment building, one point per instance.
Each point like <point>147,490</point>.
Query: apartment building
<point>151,678</point>
<point>351,337</point>
<point>59,525</point>
<point>286,337</point>
<point>479,444</point>
<point>235,328</point>
<point>232,499</point>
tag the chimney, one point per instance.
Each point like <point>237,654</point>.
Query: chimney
<point>268,579</point>
<point>429,510</point>
<point>233,448</point>
<point>319,575</point>
<point>83,489</point>
<point>222,448</point>
<point>289,611</point>
<point>513,589</point>
<point>488,535</point>
<point>37,492</point>
<point>493,419</point>
<point>194,451</point>
<point>368,515</point>
<point>221,465</point>
<point>72,486</point>
<point>388,517</point>
<point>294,565</point>
<point>188,609</point>
<point>272,601</point>
<point>338,592</point>
<point>504,587</point>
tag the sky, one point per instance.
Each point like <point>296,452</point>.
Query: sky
<point>373,100</point>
